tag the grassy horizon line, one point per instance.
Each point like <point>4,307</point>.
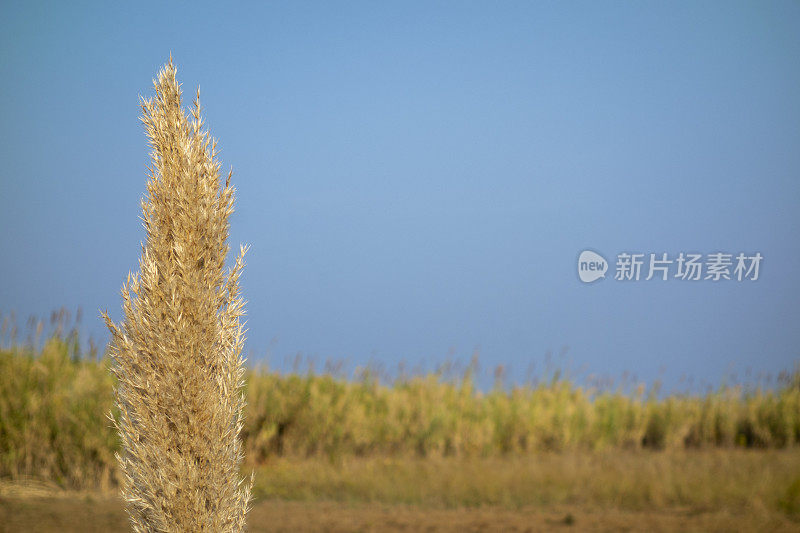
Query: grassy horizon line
<point>52,424</point>
<point>65,325</point>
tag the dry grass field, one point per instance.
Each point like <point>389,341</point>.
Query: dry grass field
<point>626,491</point>
<point>106,514</point>
<point>422,453</point>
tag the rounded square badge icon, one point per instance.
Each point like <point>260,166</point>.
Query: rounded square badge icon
<point>591,266</point>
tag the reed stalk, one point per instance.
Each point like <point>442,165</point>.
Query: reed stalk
<point>177,353</point>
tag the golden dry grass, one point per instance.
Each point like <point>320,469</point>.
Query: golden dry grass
<point>325,416</point>
<point>53,401</point>
<point>349,457</point>
<point>176,355</point>
<point>716,490</point>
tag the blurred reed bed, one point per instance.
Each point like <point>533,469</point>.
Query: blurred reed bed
<point>323,415</point>
<point>54,398</point>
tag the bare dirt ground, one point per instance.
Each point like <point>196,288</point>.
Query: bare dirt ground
<point>99,513</point>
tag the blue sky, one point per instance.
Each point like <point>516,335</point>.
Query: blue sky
<point>416,180</point>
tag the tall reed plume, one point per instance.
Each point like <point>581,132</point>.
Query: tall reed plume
<point>177,354</point>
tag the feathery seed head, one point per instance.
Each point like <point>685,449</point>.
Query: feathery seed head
<point>177,353</point>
